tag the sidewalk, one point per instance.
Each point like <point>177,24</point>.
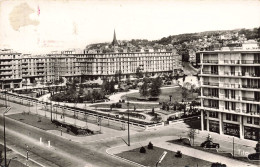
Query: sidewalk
<point>220,138</point>
<point>162,143</point>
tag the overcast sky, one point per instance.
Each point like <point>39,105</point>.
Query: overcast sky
<point>39,26</point>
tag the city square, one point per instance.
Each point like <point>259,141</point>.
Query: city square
<point>189,99</point>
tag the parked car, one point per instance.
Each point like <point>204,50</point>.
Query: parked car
<point>209,144</point>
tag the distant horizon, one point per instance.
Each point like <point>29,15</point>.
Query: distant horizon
<point>31,26</point>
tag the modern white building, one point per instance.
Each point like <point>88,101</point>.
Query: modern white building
<point>10,69</point>
<point>230,91</point>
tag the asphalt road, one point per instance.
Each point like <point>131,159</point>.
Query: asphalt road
<point>62,151</point>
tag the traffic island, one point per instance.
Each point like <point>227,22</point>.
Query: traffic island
<point>44,123</point>
<point>151,157</point>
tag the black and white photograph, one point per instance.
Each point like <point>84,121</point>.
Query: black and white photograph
<point>129,83</point>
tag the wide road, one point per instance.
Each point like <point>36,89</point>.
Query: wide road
<point>62,151</point>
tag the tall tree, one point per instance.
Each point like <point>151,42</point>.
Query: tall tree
<point>155,90</point>
<point>144,88</point>
<point>139,73</point>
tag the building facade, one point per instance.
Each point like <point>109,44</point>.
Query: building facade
<point>230,91</point>
<point>10,69</point>
<point>17,70</point>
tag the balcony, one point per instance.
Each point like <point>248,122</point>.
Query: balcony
<point>248,74</point>
<point>6,73</point>
<point>250,99</point>
<point>211,83</point>
<point>211,107</point>
<point>210,95</point>
<point>229,85</point>
<point>210,61</point>
<point>251,86</point>
<point>6,64</point>
<point>250,61</point>
<point>231,61</point>
<point>210,72</point>
<point>251,112</point>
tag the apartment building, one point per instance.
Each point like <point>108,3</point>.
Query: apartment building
<point>10,69</point>
<point>37,69</point>
<point>107,65</point>
<point>230,91</point>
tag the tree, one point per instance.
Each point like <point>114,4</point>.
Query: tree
<point>112,86</point>
<point>155,90</point>
<point>106,86</point>
<point>192,134</point>
<point>144,89</point>
<point>81,90</point>
<point>139,73</point>
<point>184,92</point>
<point>184,52</point>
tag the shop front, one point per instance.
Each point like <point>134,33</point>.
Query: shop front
<point>231,129</point>
<point>214,126</point>
<point>252,133</point>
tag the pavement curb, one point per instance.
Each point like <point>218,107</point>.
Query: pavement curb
<point>113,155</point>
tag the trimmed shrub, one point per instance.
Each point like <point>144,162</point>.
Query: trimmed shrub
<point>142,150</point>
<point>150,146</point>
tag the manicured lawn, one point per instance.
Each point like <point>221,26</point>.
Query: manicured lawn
<point>131,106</point>
<point>151,157</point>
<point>214,151</point>
<point>164,97</point>
<point>33,120</point>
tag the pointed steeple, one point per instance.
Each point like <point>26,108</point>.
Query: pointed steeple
<point>114,42</point>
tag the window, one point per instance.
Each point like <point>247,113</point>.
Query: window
<point>213,114</point>
<point>249,120</point>
<point>233,105</point>
<point>233,94</point>
<point>256,121</point>
<point>235,118</point>
<point>226,105</point>
<point>226,93</point>
<point>228,116</point>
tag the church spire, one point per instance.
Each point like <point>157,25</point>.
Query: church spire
<point>114,42</point>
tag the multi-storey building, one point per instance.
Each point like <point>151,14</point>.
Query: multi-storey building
<point>10,69</point>
<point>17,69</point>
<point>37,69</point>
<point>104,65</point>
<point>230,91</point>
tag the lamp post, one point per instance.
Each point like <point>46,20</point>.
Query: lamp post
<point>51,110</point>
<point>61,130</point>
<point>7,109</point>
<point>128,124</point>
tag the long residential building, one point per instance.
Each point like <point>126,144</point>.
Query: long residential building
<point>17,70</point>
<point>230,91</point>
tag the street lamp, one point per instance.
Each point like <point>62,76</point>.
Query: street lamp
<point>128,124</point>
<point>61,130</point>
<point>7,109</point>
<point>5,99</point>
<point>51,110</point>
